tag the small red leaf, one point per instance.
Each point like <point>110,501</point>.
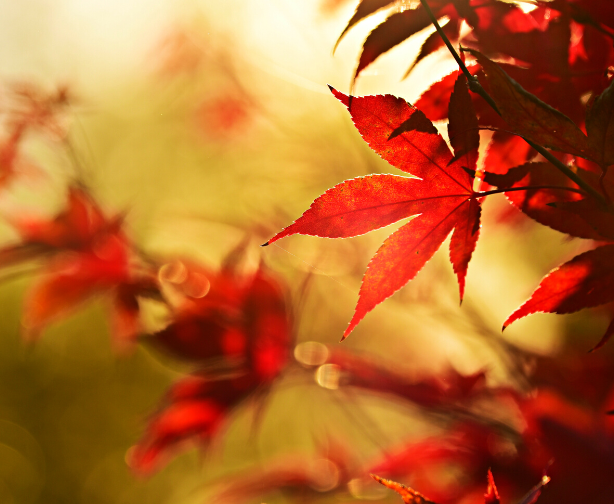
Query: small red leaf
<point>393,31</point>
<point>365,8</point>
<point>585,281</point>
<point>530,117</point>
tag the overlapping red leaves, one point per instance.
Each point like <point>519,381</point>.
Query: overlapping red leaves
<point>573,200</point>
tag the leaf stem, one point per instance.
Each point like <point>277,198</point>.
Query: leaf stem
<point>569,173</point>
<point>445,39</point>
<point>527,188</point>
<point>477,88</point>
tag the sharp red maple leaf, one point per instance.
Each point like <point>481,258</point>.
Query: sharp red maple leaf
<point>443,198</point>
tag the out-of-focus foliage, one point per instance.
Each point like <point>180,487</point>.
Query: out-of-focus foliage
<point>152,352</point>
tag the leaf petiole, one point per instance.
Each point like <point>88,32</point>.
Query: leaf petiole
<point>527,188</point>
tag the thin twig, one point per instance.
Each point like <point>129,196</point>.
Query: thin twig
<point>527,188</point>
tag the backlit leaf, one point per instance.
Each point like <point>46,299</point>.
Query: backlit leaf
<point>444,196</point>
<point>530,117</point>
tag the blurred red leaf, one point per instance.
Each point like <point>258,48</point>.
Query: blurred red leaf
<point>223,117</point>
<point>194,410</point>
<point>241,320</point>
<point>178,422</point>
<point>577,441</point>
<point>390,33</point>
<point>32,108</point>
<point>75,228</point>
<point>72,278</point>
<point>87,254</point>
<point>446,388</point>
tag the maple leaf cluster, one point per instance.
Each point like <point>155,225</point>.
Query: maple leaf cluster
<point>573,198</point>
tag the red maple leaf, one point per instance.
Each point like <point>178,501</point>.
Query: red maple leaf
<point>401,25</point>
<point>587,280</point>
<point>442,197</point>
